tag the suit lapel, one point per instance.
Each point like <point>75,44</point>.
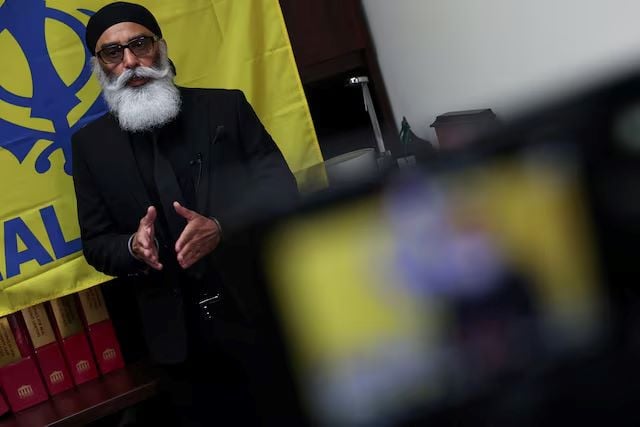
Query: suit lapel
<point>203,141</point>
<point>120,147</point>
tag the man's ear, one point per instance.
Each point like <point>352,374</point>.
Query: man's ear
<point>165,48</point>
<point>96,66</point>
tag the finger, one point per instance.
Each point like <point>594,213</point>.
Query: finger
<point>144,239</point>
<point>151,258</point>
<point>146,231</point>
<point>147,255</point>
<point>189,255</point>
<point>187,214</point>
<point>188,261</point>
<point>184,239</point>
<point>152,213</point>
<point>153,250</point>
<point>154,264</point>
<point>149,217</point>
<point>182,254</point>
<point>151,232</point>
<point>150,255</point>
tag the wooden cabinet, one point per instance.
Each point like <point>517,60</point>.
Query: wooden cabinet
<point>323,30</point>
<point>331,42</point>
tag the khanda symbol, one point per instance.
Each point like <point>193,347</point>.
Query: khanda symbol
<point>40,109</point>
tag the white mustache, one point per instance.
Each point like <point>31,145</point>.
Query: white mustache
<point>140,72</point>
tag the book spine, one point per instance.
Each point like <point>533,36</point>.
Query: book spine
<point>47,349</point>
<point>20,334</point>
<point>4,406</point>
<point>102,335</point>
<point>70,332</point>
<point>19,374</point>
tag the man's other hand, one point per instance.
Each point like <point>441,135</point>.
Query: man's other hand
<point>144,241</point>
<point>199,238</point>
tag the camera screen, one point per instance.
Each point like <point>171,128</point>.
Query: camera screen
<point>437,287</point>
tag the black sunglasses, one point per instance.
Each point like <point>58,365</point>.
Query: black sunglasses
<point>140,47</point>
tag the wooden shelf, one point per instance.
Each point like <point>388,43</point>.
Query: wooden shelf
<point>90,401</point>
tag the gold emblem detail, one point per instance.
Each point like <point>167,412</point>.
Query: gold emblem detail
<point>56,377</point>
<point>82,366</point>
<point>109,354</point>
<point>25,392</point>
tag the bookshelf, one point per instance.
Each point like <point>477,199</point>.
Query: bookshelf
<point>91,401</point>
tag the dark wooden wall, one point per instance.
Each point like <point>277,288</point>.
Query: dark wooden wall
<point>331,42</point>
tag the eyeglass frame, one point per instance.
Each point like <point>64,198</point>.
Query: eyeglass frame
<point>122,47</point>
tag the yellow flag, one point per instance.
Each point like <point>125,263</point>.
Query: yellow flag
<point>243,44</point>
<point>47,93</point>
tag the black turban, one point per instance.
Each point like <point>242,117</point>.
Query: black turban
<point>116,13</point>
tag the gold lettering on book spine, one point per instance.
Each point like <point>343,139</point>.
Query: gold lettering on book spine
<point>93,305</point>
<point>56,377</point>
<point>25,392</point>
<point>38,325</point>
<point>66,315</point>
<point>9,352</point>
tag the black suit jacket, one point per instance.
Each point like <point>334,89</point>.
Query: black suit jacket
<point>242,178</point>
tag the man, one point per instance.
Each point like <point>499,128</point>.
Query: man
<point>168,183</point>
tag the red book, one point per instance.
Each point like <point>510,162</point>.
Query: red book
<point>4,407</point>
<point>19,374</point>
<point>101,333</point>
<point>47,349</point>
<point>70,332</point>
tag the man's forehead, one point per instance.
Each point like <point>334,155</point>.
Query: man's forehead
<point>122,32</point>
<point>118,13</point>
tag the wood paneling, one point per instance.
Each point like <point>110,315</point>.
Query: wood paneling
<point>330,38</point>
<point>321,30</point>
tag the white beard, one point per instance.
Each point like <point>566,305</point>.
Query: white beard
<point>145,107</point>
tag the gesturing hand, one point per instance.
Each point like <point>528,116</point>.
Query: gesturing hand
<point>199,238</point>
<point>143,244</point>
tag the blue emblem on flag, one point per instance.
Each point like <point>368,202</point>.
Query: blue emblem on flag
<point>52,99</point>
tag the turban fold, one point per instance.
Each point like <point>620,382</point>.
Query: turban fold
<point>116,13</point>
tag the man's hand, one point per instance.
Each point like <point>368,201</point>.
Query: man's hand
<point>143,244</point>
<point>199,238</point>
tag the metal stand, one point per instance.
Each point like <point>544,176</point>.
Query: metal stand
<point>384,156</point>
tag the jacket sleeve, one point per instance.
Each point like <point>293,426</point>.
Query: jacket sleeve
<point>104,247</point>
<point>272,188</point>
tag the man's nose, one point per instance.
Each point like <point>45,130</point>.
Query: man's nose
<point>129,60</point>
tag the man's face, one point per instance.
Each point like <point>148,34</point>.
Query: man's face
<point>139,90</point>
<point>121,34</point>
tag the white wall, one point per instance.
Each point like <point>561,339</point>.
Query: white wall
<point>445,55</point>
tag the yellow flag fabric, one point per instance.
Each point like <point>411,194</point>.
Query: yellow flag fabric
<point>47,93</point>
